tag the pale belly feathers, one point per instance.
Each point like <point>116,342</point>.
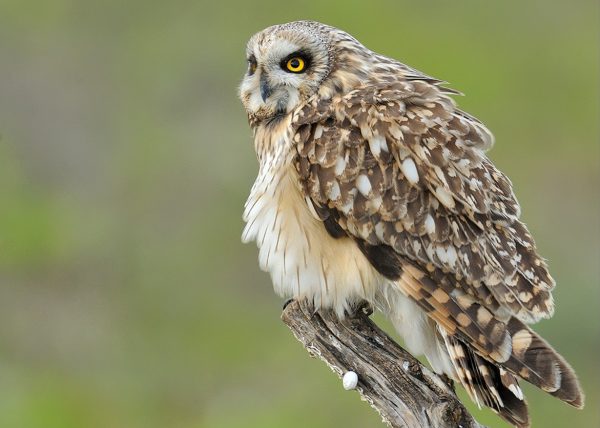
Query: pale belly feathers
<point>294,247</point>
<point>304,261</point>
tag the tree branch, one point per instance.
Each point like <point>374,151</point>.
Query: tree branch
<point>404,392</point>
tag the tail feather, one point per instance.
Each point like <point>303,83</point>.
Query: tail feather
<point>511,382</point>
<point>481,343</point>
<point>495,384</point>
<point>534,360</point>
<point>486,384</point>
<point>509,344</point>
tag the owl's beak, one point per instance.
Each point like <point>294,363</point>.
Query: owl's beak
<point>265,89</point>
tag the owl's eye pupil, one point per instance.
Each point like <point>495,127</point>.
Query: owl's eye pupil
<point>295,63</point>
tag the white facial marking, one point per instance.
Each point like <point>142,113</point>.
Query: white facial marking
<point>282,48</point>
<point>286,89</point>
<point>293,98</point>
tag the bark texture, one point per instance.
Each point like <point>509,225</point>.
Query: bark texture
<point>404,392</point>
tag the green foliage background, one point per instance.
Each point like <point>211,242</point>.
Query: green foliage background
<point>126,297</point>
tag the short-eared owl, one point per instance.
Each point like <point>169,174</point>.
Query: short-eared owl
<point>373,186</point>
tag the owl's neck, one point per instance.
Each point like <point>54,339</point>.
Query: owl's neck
<point>272,139</point>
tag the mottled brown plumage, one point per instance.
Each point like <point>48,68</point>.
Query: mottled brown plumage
<point>374,161</point>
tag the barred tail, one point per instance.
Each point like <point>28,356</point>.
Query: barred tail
<point>534,360</point>
<point>495,384</point>
<point>487,384</point>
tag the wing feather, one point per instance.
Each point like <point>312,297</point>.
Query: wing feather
<point>403,167</point>
<point>404,173</point>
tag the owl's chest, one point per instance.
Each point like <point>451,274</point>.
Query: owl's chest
<point>295,248</point>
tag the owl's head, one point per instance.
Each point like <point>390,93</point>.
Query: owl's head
<point>287,64</point>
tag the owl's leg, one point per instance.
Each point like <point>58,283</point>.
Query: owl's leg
<point>416,329</point>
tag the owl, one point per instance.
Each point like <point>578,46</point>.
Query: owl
<point>373,186</point>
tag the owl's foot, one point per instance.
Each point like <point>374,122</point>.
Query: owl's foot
<point>286,303</point>
<point>367,308</point>
<point>362,306</point>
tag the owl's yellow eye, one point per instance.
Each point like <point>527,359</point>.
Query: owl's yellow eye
<point>251,66</point>
<point>295,64</point>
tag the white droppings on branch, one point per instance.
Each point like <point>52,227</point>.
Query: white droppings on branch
<point>350,380</point>
<point>404,392</point>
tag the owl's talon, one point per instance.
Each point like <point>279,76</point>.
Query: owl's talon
<point>367,308</point>
<point>286,303</point>
<point>363,306</point>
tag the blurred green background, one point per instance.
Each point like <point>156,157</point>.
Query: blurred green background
<point>126,297</point>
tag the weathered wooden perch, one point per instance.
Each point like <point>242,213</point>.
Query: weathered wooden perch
<point>404,392</point>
